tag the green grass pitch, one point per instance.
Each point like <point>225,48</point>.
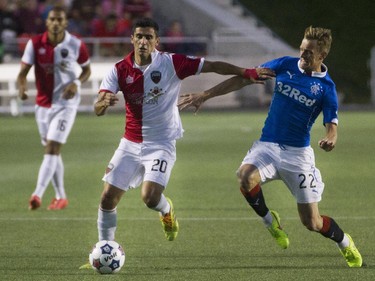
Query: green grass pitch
<point>220,236</point>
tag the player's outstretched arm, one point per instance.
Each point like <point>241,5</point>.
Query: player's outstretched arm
<point>197,99</point>
<point>105,99</point>
<point>224,68</point>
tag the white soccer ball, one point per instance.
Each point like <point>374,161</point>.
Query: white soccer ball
<point>107,257</point>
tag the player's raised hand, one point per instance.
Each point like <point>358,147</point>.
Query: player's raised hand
<point>105,99</point>
<point>195,100</point>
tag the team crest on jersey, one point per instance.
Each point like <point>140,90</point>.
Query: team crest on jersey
<point>64,53</point>
<point>42,51</point>
<point>316,88</point>
<point>156,76</point>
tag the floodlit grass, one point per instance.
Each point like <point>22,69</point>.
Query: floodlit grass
<point>220,236</point>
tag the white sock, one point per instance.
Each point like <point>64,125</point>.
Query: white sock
<point>344,243</point>
<point>267,219</point>
<point>58,179</point>
<point>163,206</point>
<point>46,171</point>
<point>107,223</point>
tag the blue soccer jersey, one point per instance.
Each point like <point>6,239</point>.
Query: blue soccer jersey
<point>297,101</point>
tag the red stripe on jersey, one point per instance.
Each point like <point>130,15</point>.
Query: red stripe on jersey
<point>141,116</point>
<point>131,83</point>
<point>44,69</point>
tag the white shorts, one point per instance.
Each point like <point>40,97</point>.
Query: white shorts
<point>134,163</point>
<point>295,166</point>
<point>55,123</point>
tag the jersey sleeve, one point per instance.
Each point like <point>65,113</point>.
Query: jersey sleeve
<point>275,64</point>
<point>186,66</point>
<point>110,82</point>
<point>330,106</point>
<point>28,55</point>
<point>83,57</point>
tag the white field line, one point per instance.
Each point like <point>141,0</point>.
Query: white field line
<point>179,218</point>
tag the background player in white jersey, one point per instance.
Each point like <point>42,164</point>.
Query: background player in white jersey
<point>61,63</point>
<point>303,90</point>
<point>150,82</point>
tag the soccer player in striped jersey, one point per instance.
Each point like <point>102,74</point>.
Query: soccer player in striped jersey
<point>150,82</point>
<point>302,91</point>
<point>61,63</point>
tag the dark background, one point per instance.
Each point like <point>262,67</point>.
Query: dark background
<point>353,30</point>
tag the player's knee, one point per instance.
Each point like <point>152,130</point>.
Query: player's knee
<point>244,185</point>
<point>109,199</point>
<point>247,180</point>
<point>52,147</point>
<point>151,194</point>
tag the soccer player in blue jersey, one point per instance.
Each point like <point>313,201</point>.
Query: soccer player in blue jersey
<point>302,91</point>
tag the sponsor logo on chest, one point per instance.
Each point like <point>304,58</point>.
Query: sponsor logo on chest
<point>153,92</point>
<point>295,94</point>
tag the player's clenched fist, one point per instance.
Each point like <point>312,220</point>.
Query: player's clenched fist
<point>105,99</point>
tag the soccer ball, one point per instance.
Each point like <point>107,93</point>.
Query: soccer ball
<point>107,257</point>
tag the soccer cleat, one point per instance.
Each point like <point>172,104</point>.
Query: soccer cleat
<point>52,204</point>
<point>86,266</point>
<point>58,204</point>
<point>170,223</point>
<point>34,202</point>
<point>277,231</point>
<point>61,204</point>
<point>351,254</point>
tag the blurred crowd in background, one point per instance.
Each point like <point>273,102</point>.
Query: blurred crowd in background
<point>21,19</point>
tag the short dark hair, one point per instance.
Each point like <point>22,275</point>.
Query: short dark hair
<point>146,22</point>
<point>58,9</point>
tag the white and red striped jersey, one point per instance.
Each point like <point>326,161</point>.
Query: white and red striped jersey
<point>151,94</point>
<point>55,67</point>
